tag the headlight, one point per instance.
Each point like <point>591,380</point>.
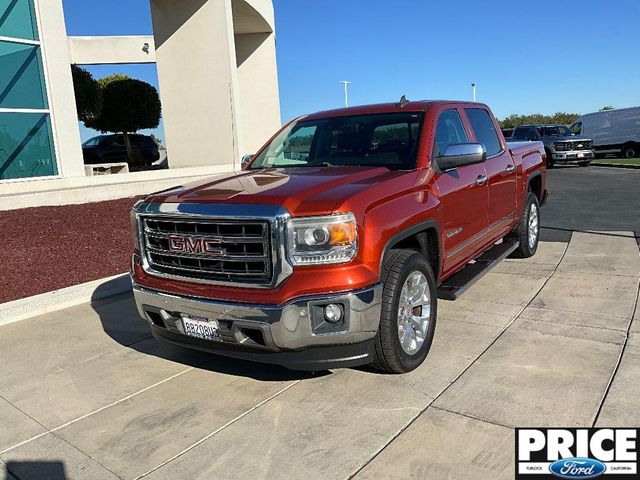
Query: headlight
<point>560,146</point>
<point>322,240</point>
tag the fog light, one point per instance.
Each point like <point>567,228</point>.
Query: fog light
<point>333,313</point>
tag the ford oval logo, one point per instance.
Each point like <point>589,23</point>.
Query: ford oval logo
<point>577,468</point>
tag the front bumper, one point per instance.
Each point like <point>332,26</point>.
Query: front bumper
<point>573,156</point>
<point>295,334</point>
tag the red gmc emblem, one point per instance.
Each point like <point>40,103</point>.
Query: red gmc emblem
<point>207,246</point>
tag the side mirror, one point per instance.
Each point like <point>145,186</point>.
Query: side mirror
<point>461,154</point>
<point>245,161</point>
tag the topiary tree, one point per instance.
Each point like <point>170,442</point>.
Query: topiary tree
<point>128,105</point>
<point>88,94</point>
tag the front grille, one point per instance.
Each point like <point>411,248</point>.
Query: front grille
<point>214,250</point>
<point>581,145</point>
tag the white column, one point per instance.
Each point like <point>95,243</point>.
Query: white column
<point>195,56</point>
<point>62,102</point>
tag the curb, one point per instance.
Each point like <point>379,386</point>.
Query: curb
<point>24,308</point>
<point>616,165</point>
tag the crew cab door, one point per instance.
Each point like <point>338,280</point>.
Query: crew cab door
<point>463,193</point>
<point>500,168</point>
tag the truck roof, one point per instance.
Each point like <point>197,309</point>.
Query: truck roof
<point>538,125</point>
<point>392,107</point>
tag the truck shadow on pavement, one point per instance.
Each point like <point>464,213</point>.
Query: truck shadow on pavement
<point>121,322</point>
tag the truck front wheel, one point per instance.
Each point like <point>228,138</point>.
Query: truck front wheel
<point>408,316</point>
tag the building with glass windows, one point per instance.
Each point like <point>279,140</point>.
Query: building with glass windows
<point>27,147</point>
<point>233,106</point>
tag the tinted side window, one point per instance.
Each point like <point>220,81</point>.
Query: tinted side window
<point>525,133</point>
<point>449,131</point>
<point>484,129</point>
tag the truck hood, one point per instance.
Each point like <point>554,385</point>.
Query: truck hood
<point>567,139</point>
<point>301,190</point>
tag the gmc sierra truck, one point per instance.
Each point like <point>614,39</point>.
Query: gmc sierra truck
<point>334,243</point>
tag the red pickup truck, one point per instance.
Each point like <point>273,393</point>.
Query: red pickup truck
<point>333,245</point>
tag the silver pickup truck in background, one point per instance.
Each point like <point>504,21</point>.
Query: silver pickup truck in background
<point>560,144</point>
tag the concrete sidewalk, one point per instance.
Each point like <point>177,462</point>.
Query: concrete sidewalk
<point>86,393</point>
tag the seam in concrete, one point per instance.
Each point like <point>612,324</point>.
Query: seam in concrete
<point>572,338</point>
<point>82,362</point>
<point>29,307</point>
<point>580,313</point>
<point>466,415</point>
<point>88,456</point>
<point>450,318</point>
<point>104,407</point>
<point>618,362</point>
<point>502,332</point>
<point>226,425</point>
<point>570,324</point>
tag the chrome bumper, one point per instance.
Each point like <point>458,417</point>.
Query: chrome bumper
<point>573,156</point>
<point>264,329</point>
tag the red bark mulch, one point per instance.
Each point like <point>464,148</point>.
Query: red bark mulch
<point>47,248</point>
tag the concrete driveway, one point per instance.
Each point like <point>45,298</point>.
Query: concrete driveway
<point>550,341</point>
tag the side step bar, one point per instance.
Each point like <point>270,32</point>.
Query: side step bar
<point>456,285</point>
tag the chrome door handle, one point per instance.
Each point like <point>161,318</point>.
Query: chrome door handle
<point>510,168</point>
<point>481,179</point>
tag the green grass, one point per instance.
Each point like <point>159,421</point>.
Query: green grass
<point>618,161</point>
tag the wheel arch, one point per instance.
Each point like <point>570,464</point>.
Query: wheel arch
<point>423,237</point>
<point>534,183</point>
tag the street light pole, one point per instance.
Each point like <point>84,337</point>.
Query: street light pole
<point>473,87</point>
<point>346,92</point>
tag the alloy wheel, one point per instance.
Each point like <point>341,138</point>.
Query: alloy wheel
<point>414,312</point>
<point>533,226</point>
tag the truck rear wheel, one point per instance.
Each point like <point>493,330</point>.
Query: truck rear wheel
<point>408,316</point>
<point>528,230</point>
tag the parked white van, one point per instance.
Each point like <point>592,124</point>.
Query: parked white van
<point>612,131</point>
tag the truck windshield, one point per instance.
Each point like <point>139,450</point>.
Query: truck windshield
<point>557,131</point>
<point>381,140</point>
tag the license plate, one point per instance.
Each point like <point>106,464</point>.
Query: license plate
<point>201,327</point>
<point>581,155</point>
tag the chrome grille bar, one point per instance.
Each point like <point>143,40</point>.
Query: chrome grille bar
<point>237,251</point>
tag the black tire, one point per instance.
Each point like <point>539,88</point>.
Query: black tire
<point>630,151</point>
<point>550,162</point>
<point>389,354</point>
<point>521,233</point>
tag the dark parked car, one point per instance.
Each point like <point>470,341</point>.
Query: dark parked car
<point>111,149</point>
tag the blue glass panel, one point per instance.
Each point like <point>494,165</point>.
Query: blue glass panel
<point>26,146</point>
<point>18,19</point>
<point>21,78</point>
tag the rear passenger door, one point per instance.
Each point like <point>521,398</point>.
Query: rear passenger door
<point>463,193</point>
<point>500,169</point>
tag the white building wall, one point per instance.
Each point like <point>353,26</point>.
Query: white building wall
<point>109,50</point>
<point>194,52</point>
<point>258,90</point>
<point>218,78</point>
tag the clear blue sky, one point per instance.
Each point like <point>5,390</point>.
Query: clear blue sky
<point>525,57</point>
